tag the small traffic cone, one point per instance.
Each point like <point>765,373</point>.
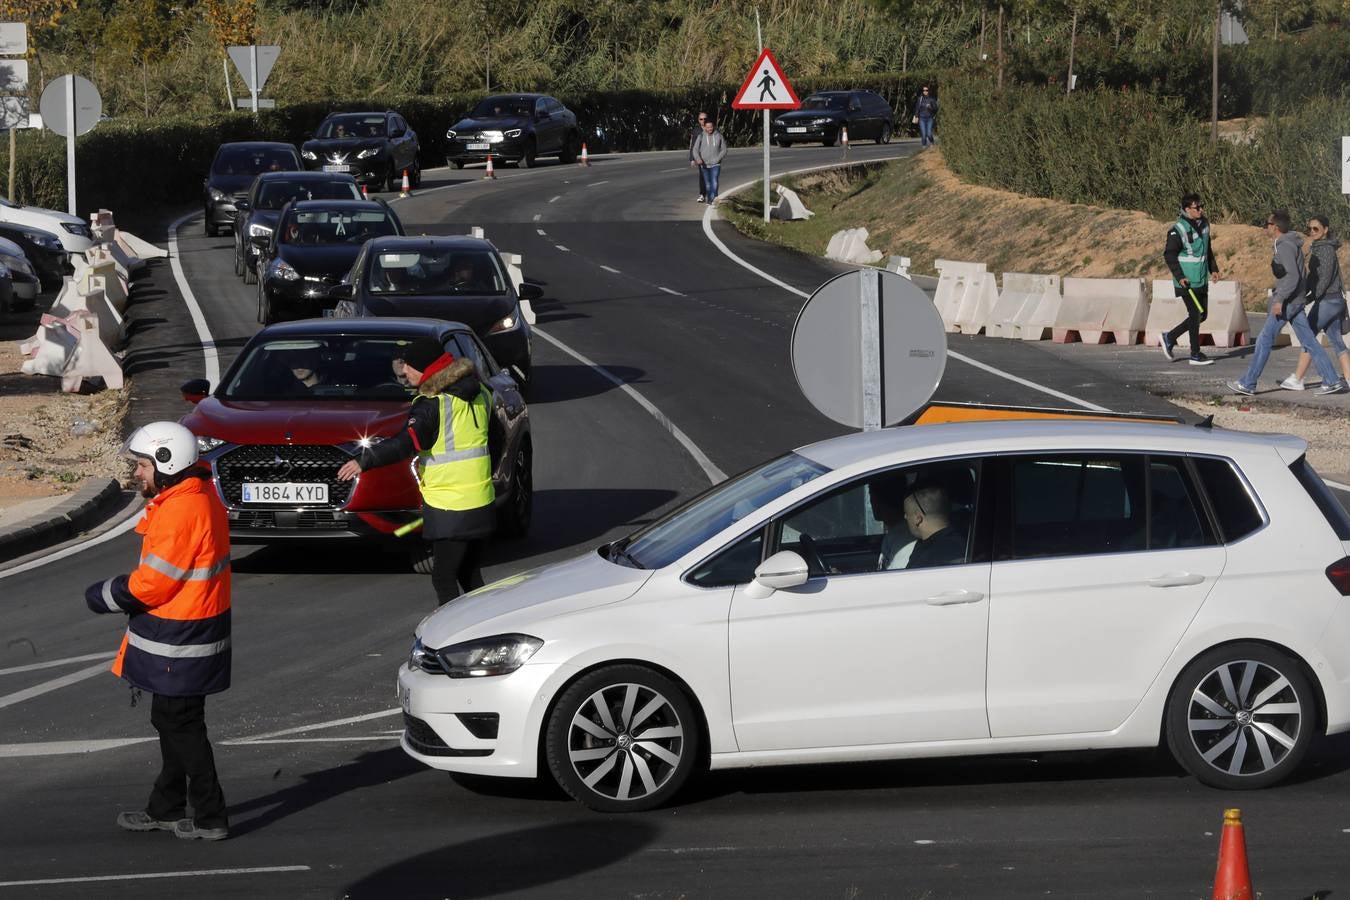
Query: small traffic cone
<point>1232,880</point>
<point>490,173</point>
<point>843,137</point>
<point>407,188</point>
<point>365,195</point>
<point>585,159</point>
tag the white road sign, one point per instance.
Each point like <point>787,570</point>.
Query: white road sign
<point>58,111</point>
<point>766,87</point>
<point>13,38</point>
<point>13,112</point>
<point>13,76</point>
<point>242,59</point>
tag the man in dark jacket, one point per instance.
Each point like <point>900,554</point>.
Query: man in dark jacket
<point>693,139</point>
<point>447,431</point>
<point>928,513</point>
<point>1189,255</point>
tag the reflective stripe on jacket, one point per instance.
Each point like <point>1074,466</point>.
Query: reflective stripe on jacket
<point>1194,256</point>
<point>456,473</point>
<point>178,635</point>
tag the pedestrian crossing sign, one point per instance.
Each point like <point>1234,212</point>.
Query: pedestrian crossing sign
<point>766,87</point>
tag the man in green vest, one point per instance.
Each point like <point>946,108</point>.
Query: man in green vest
<point>1190,257</point>
<point>447,430</point>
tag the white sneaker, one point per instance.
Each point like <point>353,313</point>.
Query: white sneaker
<point>1292,383</point>
<point>700,198</point>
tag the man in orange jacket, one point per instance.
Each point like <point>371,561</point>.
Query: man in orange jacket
<point>177,644</point>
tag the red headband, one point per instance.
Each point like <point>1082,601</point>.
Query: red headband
<point>441,362</point>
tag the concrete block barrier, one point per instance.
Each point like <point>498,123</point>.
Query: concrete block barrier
<point>101,225</point>
<point>1026,307</point>
<point>1095,310</point>
<point>92,357</point>
<point>129,261</point>
<point>961,290</point>
<point>1226,326</point>
<point>101,255</point>
<point>51,349</point>
<point>789,207</point>
<point>139,247</point>
<point>850,246</point>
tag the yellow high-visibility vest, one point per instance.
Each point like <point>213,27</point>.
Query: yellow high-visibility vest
<point>456,473</point>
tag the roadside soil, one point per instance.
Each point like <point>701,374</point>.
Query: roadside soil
<point>1324,430</point>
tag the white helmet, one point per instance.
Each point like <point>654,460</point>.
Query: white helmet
<point>170,446</point>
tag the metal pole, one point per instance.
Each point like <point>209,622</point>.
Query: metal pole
<point>70,146</point>
<point>253,74</point>
<point>1214,78</point>
<point>766,165</point>
<point>229,92</point>
<point>869,296</point>
<point>12,151</point>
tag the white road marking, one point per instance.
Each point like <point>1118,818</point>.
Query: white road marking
<point>714,474</point>
<point>197,873</point>
<point>676,169</point>
<point>66,748</point>
<point>1338,486</point>
<point>45,687</point>
<point>329,740</point>
<point>299,729</point>
<point>33,667</point>
<point>556,199</point>
<point>597,183</point>
<point>118,531</point>
<point>716,242</point>
<point>541,232</point>
<point>194,310</point>
<point>562,248</point>
<point>669,291</point>
<point>611,269</point>
<point>537,217</point>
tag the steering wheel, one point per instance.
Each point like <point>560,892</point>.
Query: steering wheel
<point>815,565</point>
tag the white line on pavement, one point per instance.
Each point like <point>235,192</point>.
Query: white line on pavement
<point>350,720</point>
<point>121,529</point>
<point>66,748</point>
<point>610,269</point>
<point>45,687</point>
<point>669,291</point>
<point>32,667</point>
<point>555,199</point>
<point>676,169</point>
<point>194,310</point>
<point>541,232</point>
<point>562,248</point>
<point>328,740</point>
<point>1338,486</point>
<point>597,183</point>
<point>256,870</point>
<point>714,474</point>
<point>537,217</point>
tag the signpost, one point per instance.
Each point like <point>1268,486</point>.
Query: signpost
<point>13,82</point>
<point>1345,165</point>
<point>868,349</point>
<point>70,107</point>
<point>255,64</point>
<point>766,88</point>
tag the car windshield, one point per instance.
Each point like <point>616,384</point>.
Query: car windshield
<point>825,101</point>
<point>496,107</point>
<point>321,226</point>
<point>322,368</point>
<point>438,272</point>
<point>252,161</point>
<point>276,194</point>
<point>674,535</point>
<point>351,126</point>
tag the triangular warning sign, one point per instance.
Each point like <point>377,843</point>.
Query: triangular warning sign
<point>766,87</point>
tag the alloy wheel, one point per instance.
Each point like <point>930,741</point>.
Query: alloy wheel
<point>625,742</point>
<point>1245,717</point>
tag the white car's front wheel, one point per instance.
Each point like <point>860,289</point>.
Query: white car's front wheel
<point>622,739</point>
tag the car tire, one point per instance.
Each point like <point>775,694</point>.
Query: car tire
<point>415,176</point>
<point>457,163</point>
<point>239,265</point>
<point>422,558</point>
<point>625,772</point>
<point>884,137</point>
<point>206,224</point>
<point>571,149</point>
<point>516,518</point>
<point>250,274</point>
<point>265,314</point>
<point>528,159</point>
<point>830,141</point>
<point>1218,732</point>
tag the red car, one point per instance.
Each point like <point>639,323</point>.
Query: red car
<point>304,397</point>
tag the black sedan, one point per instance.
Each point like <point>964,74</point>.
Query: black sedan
<point>258,212</point>
<point>374,147</point>
<point>460,279</point>
<point>43,249</point>
<point>515,128</point>
<point>233,170</point>
<point>314,246</point>
<point>824,115</point>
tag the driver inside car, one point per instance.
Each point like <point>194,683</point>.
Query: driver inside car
<point>886,495</point>
<point>304,367</point>
<point>928,513</point>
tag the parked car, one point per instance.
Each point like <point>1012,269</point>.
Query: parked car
<point>514,128</point>
<point>920,591</point>
<point>374,147</point>
<point>256,215</point>
<point>41,248</point>
<point>314,246</point>
<point>6,290</point>
<point>233,169</point>
<point>73,231</point>
<point>304,397</point>
<point>461,279</point>
<point>23,276</point>
<point>825,114</point>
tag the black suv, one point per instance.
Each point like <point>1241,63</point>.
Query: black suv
<point>233,170</point>
<point>257,213</point>
<point>374,147</point>
<point>825,114</point>
<point>514,128</point>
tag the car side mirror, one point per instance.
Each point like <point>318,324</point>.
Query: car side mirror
<point>397,133</point>
<point>260,240</point>
<point>785,569</point>
<point>530,292</point>
<point>242,206</point>
<point>196,390</point>
<point>342,291</point>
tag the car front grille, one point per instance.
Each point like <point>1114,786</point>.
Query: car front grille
<point>304,520</point>
<point>423,738</point>
<point>300,463</point>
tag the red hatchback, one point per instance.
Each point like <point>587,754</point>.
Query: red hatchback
<point>304,397</point>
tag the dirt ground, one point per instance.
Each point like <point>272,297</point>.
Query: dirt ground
<point>1327,434</point>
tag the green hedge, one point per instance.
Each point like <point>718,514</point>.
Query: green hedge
<point>163,162</point>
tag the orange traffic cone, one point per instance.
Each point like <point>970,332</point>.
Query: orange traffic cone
<point>843,137</point>
<point>407,188</point>
<point>490,173</point>
<point>585,159</point>
<point>365,195</point>
<point>1232,880</point>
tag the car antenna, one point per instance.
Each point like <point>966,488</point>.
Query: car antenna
<point>1206,423</point>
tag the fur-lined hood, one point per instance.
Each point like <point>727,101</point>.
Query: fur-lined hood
<point>441,381</point>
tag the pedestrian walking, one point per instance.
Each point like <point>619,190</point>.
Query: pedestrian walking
<point>447,431</point>
<point>925,113</point>
<point>177,643</point>
<point>694,135</point>
<point>1326,296</point>
<point>1189,255</point>
<point>1287,304</point>
<point>709,150</point>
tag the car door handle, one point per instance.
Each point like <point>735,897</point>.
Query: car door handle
<point>1175,579</point>
<point>952,598</point>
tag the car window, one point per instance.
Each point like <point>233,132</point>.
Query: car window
<point>911,518</point>
<point>1176,517</point>
<point>1071,505</point>
<point>436,272</point>
<point>823,101</point>
<point>554,106</point>
<point>253,161</point>
<point>541,108</point>
<point>482,360</point>
<point>734,565</point>
<point>1235,510</point>
<point>1336,515</point>
<point>855,102</point>
<point>276,194</point>
<point>321,226</point>
<point>351,125</point>
<point>319,368</point>
<point>496,107</point>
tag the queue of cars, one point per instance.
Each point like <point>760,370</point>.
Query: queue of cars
<point>35,248</point>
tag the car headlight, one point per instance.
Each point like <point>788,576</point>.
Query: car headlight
<point>500,654</point>
<point>513,133</point>
<point>76,228</point>
<point>44,239</point>
<point>308,154</point>
<point>216,195</point>
<point>16,263</point>
<point>284,271</point>
<point>368,153</point>
<point>492,137</point>
<point>256,230</point>
<point>364,442</point>
<point>821,121</point>
<point>505,324</point>
<point>451,134</point>
<point>207,444</point>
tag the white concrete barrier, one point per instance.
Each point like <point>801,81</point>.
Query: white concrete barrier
<point>850,246</point>
<point>956,280</point>
<point>789,207</point>
<point>101,225</point>
<point>517,275</point>
<point>139,247</point>
<point>1026,307</point>
<point>1226,326</point>
<point>72,349</point>
<point>899,265</point>
<point>1097,309</point>
<point>100,255</point>
<point>129,261</point>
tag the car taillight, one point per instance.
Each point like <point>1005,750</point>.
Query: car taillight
<point>1339,574</point>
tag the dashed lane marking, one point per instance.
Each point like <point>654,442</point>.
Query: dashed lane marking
<point>67,748</point>
<point>196,873</point>
<point>51,663</point>
<point>597,183</point>
<point>555,199</point>
<point>300,729</point>
<point>537,217</point>
<point>46,687</point>
<point>610,269</point>
<point>562,248</point>
<point>541,232</point>
<point>669,291</point>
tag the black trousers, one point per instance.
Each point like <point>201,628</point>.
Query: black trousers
<point>454,568</point>
<point>1197,310</point>
<point>189,768</point>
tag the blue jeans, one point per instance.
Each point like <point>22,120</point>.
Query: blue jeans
<point>1330,311</point>
<point>925,130</point>
<point>1304,332</point>
<point>710,174</point>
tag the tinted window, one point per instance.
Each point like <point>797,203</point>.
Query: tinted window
<point>1176,516</point>
<point>352,125</point>
<point>436,273</point>
<point>1326,501</point>
<point>322,368</point>
<point>825,101</point>
<point>246,161</point>
<point>1077,505</point>
<point>322,226</point>
<point>554,105</point>
<point>276,194</point>
<point>541,108</point>
<point>494,107</point>
<point>735,565</point>
<point>482,361</point>
<point>1234,508</point>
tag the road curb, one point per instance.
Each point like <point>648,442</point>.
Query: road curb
<point>95,499</point>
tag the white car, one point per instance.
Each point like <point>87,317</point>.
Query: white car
<point>73,231</point>
<point>1077,586</point>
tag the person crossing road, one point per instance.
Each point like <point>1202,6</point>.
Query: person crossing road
<point>1189,255</point>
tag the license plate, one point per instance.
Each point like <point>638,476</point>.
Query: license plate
<point>337,168</point>
<point>284,492</point>
<point>478,146</point>
<point>797,130</point>
<point>405,697</point>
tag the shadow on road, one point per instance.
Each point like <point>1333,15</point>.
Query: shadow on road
<point>558,384</point>
<point>527,859</point>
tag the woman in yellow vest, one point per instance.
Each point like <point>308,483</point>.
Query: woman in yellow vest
<point>447,430</point>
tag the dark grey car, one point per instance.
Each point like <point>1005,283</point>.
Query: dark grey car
<point>824,115</point>
<point>514,128</point>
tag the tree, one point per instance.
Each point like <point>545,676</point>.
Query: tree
<point>41,16</point>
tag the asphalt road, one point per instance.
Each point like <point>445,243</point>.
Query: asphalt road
<point>324,804</point>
